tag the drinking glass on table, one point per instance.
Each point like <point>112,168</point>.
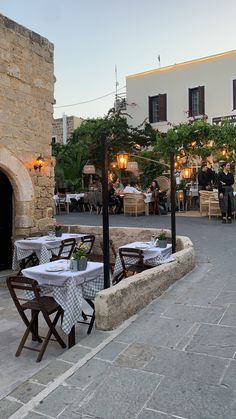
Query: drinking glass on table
<point>51,233</point>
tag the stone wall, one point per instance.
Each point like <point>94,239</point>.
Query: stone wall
<point>26,109</point>
<point>118,303</point>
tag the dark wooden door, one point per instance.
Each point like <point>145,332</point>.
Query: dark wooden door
<point>5,222</point>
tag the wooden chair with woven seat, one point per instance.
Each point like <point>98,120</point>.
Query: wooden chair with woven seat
<point>204,197</point>
<point>45,305</point>
<point>134,204</point>
<point>132,261</point>
<point>66,249</point>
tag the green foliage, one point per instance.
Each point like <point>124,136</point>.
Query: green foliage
<point>162,235</point>
<point>197,138</point>
<point>84,146</point>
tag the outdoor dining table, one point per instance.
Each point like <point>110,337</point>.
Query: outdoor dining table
<point>42,246</point>
<point>68,288</point>
<point>152,254</point>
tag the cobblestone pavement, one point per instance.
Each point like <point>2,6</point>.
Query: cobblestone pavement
<point>175,359</point>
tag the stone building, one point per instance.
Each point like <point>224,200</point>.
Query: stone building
<point>26,109</point>
<point>62,128</point>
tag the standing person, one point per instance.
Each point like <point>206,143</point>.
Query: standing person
<point>205,178</point>
<point>226,198</point>
<point>154,189</point>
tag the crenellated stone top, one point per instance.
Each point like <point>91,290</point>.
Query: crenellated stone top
<point>27,33</point>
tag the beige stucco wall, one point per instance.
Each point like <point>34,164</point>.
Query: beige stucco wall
<point>26,108</point>
<point>216,73</point>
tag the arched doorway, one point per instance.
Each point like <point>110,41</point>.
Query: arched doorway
<point>5,222</point>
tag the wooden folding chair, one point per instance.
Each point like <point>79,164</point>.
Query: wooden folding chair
<point>45,305</point>
<point>91,316</point>
<point>132,261</point>
<point>88,240</point>
<point>66,249</point>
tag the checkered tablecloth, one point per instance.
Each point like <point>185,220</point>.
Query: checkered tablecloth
<point>68,288</point>
<point>153,256</point>
<point>42,246</point>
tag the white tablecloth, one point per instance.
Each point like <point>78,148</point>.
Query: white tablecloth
<point>69,196</point>
<point>42,246</point>
<point>152,255</point>
<point>68,288</point>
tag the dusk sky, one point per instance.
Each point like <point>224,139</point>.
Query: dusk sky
<point>92,36</point>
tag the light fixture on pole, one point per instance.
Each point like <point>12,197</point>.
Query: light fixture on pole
<point>105,215</point>
<point>122,160</point>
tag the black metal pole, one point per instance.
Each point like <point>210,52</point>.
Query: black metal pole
<point>105,215</point>
<point>173,203</point>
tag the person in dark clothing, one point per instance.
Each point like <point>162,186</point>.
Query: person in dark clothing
<point>154,189</point>
<point>205,178</point>
<point>226,198</point>
<point>114,201</point>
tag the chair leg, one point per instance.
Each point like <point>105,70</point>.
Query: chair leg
<point>30,328</point>
<point>52,331</point>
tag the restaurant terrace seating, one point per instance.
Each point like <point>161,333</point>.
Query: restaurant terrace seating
<point>45,305</point>
<point>88,240</point>
<point>66,249</point>
<point>134,204</point>
<point>132,261</point>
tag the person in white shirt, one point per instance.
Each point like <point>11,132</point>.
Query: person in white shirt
<point>129,188</point>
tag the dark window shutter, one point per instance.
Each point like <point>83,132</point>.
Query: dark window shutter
<point>201,100</point>
<point>190,108</point>
<point>150,113</point>
<point>162,107</point>
<point>234,94</point>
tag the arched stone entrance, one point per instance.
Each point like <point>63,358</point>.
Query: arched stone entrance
<point>5,222</point>
<point>17,196</point>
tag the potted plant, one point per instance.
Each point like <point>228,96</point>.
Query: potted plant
<point>79,258</point>
<point>58,230</point>
<point>162,239</point>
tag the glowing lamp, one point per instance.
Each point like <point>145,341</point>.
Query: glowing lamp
<point>186,173</point>
<point>39,162</point>
<point>122,159</point>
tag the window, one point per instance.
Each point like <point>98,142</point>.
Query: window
<point>157,108</point>
<point>54,140</point>
<point>196,101</point>
<point>234,94</point>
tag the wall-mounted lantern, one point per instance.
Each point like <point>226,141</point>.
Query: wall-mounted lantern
<point>39,162</point>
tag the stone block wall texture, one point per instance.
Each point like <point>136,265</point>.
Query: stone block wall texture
<point>26,113</point>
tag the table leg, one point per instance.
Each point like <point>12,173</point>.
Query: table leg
<point>71,337</point>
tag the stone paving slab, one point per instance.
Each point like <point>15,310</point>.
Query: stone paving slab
<point>129,390</point>
<point>229,317</point>
<point>214,340</point>
<point>193,400</point>
<point>196,314</point>
<point>151,414</point>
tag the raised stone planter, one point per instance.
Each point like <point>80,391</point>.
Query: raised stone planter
<point>118,303</point>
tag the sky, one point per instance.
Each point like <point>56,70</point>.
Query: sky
<point>92,37</point>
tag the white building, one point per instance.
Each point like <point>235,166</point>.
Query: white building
<point>169,95</point>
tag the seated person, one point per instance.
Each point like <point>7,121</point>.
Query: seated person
<point>130,188</point>
<point>113,199</point>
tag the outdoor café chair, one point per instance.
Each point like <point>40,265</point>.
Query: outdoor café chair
<point>132,261</point>
<point>45,305</point>
<point>91,316</point>
<point>88,240</point>
<point>66,249</point>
